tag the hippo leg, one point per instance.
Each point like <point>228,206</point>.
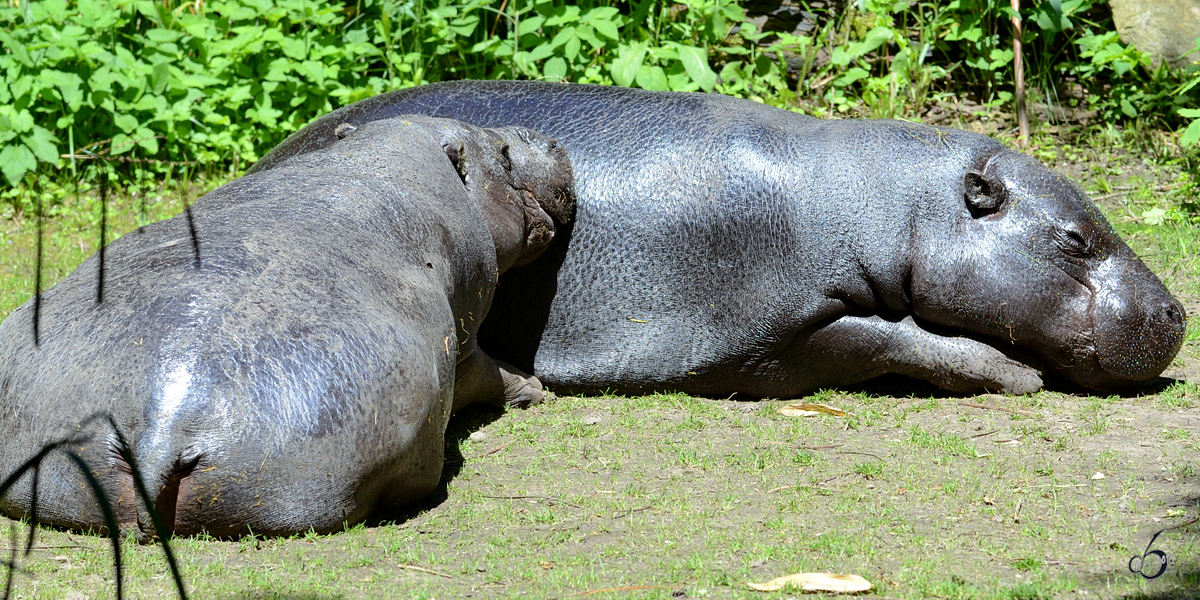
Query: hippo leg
<point>860,348</point>
<point>480,379</point>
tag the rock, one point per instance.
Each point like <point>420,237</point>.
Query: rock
<point>1164,28</point>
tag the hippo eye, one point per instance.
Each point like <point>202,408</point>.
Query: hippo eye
<point>1073,243</point>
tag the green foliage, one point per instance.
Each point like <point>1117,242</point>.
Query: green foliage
<point>151,85</point>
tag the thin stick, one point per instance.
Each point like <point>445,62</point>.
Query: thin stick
<point>983,434</point>
<point>37,277</point>
<point>620,589</point>
<point>424,570</point>
<point>560,501</point>
<point>1019,75</point>
<point>805,447</point>
<point>499,14</point>
<point>1007,410</point>
<point>495,450</point>
<point>103,232</point>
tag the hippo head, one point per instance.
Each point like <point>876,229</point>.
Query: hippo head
<point>1029,261</point>
<point>522,181</point>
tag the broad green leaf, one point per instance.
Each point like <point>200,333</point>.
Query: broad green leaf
<point>17,48</point>
<point>588,34</point>
<point>127,123</point>
<point>22,121</point>
<point>1191,113</point>
<point>1192,134</point>
<point>67,84</point>
<point>293,48</point>
<point>162,36</point>
<point>873,40</point>
<point>561,15</point>
<point>145,138</point>
<point>530,25</point>
<point>41,142</point>
<point>160,76</point>
<point>695,61</point>
<point>603,19</point>
<point>555,68</point>
<point>96,14</point>
<point>629,61</point>
<point>465,25</point>
<point>603,12</point>
<point>541,52</point>
<point>652,78</point>
<point>56,10</point>
<point>1128,108</point>
<point>120,144</point>
<point>839,57</point>
<point>850,76</point>
<point>15,161</point>
<point>571,47</point>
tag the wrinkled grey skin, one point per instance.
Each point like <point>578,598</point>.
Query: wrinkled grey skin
<point>301,375</point>
<point>724,246</point>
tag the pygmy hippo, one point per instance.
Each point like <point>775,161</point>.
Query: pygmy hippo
<point>296,368</point>
<point>725,246</point>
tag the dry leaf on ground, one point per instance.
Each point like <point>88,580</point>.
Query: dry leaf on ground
<point>812,410</point>
<point>816,582</point>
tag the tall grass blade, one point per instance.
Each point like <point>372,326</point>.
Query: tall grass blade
<point>140,488</point>
<point>110,517</point>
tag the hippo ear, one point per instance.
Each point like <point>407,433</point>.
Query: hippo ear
<point>983,193</point>
<point>455,151</point>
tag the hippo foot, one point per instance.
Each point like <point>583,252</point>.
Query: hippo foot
<point>960,364</point>
<point>521,390</point>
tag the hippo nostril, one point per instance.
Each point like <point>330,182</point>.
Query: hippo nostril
<point>1174,314</point>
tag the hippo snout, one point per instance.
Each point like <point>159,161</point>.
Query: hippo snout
<point>1138,325</point>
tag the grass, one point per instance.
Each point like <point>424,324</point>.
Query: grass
<point>651,495</point>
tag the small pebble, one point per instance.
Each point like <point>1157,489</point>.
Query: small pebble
<point>477,436</point>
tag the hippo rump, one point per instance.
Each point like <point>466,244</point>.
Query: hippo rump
<point>296,368</point>
<point>724,246</point>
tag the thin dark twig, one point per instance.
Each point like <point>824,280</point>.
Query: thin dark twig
<point>983,434</point>
<point>110,520</point>
<point>140,488</point>
<point>1007,410</point>
<point>103,232</point>
<point>131,159</point>
<point>33,503</point>
<point>37,277</point>
<point>110,517</point>
<point>187,209</point>
<point>558,500</point>
<point>620,589</point>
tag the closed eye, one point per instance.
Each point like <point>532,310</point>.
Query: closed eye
<point>1073,243</point>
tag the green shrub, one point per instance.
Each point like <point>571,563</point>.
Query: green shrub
<point>157,85</point>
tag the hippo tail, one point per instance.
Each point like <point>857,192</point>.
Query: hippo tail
<point>162,474</point>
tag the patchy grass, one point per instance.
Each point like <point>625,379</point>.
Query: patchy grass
<point>612,493</point>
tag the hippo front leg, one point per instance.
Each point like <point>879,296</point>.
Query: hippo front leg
<point>480,379</point>
<point>872,346</point>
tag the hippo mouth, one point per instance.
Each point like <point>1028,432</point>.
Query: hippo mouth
<point>1132,333</point>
